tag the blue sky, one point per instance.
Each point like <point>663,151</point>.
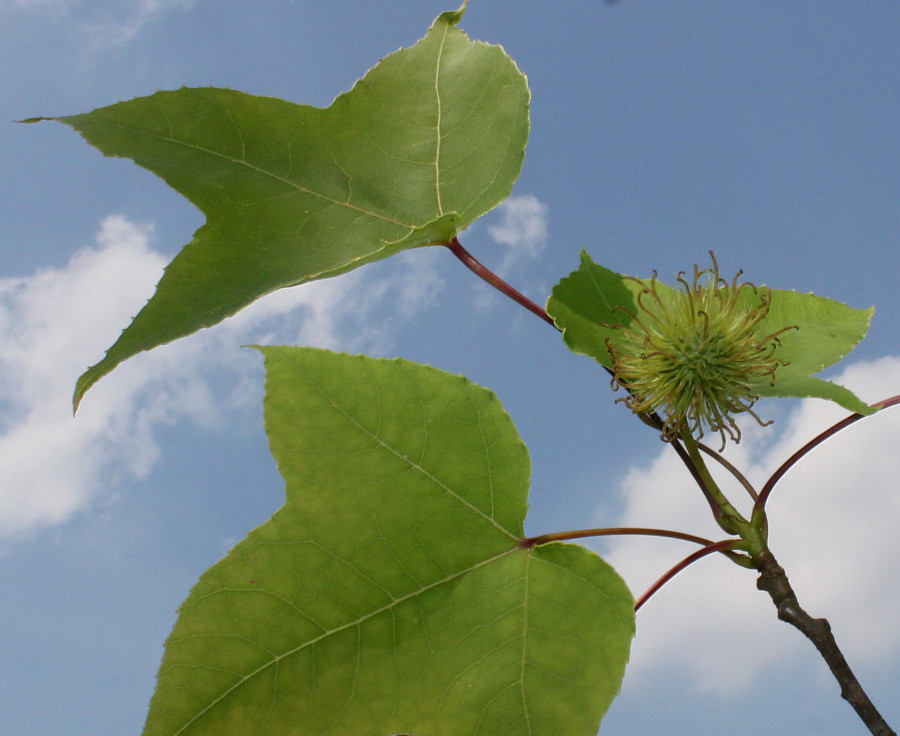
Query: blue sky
<point>768,133</point>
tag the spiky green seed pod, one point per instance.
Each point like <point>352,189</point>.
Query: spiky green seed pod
<point>694,355</point>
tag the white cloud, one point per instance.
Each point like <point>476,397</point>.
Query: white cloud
<point>113,26</point>
<point>50,324</point>
<point>143,12</point>
<point>833,518</point>
<point>57,321</point>
<point>32,3</point>
<point>104,23</point>
<point>522,231</point>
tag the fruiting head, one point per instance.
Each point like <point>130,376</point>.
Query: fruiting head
<point>696,354</point>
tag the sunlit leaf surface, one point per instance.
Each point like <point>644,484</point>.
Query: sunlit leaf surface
<point>429,140</point>
<point>391,594</point>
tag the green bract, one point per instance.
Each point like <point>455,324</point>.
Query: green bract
<point>708,349</point>
<point>392,592</point>
<point>428,141</point>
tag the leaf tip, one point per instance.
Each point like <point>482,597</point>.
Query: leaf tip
<point>454,16</point>
<point>33,120</point>
<point>77,396</point>
<point>264,350</point>
<point>87,379</point>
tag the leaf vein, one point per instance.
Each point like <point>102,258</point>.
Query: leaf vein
<point>311,644</point>
<point>256,169</point>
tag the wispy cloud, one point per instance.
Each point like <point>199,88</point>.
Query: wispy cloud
<point>57,321</point>
<point>34,3</point>
<point>520,227</point>
<point>102,23</point>
<point>833,525</point>
<point>522,231</point>
<point>120,24</point>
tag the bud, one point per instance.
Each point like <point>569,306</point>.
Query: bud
<point>693,355</point>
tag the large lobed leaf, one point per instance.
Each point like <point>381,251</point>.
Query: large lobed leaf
<point>429,140</point>
<point>588,303</point>
<point>391,593</point>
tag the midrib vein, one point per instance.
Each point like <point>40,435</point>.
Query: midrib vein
<point>415,466</point>
<point>258,170</point>
<point>437,129</point>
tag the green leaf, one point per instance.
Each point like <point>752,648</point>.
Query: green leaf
<point>391,594</point>
<point>428,141</point>
<point>588,303</point>
<point>826,331</point>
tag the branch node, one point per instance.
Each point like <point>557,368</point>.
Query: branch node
<point>774,581</point>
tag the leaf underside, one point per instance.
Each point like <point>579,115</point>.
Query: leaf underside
<point>390,593</point>
<point>587,304</point>
<point>425,143</point>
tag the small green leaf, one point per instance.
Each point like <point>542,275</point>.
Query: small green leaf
<point>391,594</point>
<point>826,331</point>
<point>428,141</point>
<point>587,304</point>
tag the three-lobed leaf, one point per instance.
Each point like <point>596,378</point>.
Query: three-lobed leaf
<point>588,304</point>
<point>426,142</point>
<point>392,593</point>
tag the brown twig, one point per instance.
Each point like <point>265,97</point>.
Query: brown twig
<point>774,581</point>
